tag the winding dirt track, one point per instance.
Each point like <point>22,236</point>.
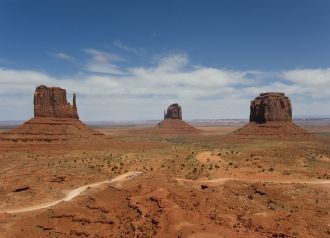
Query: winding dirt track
<point>130,175</point>
<point>223,180</point>
<point>75,192</point>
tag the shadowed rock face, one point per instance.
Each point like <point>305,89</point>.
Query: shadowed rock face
<point>51,102</point>
<point>173,112</point>
<point>270,107</point>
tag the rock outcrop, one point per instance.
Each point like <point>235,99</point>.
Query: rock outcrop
<point>277,129</point>
<point>270,107</point>
<point>40,130</point>
<point>169,126</point>
<point>173,123</point>
<point>174,111</point>
<point>55,120</point>
<point>51,102</point>
<point>271,115</point>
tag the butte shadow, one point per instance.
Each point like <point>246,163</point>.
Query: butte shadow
<point>271,116</point>
<point>55,120</point>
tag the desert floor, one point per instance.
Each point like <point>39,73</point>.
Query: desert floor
<point>204,185</point>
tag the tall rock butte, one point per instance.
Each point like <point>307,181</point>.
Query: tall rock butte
<point>271,115</point>
<point>55,120</point>
<point>52,102</point>
<point>270,106</point>
<point>174,111</point>
<point>173,123</point>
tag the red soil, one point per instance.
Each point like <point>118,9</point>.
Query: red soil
<point>173,126</point>
<point>49,129</point>
<point>271,129</point>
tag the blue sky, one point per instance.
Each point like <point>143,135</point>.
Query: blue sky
<point>130,59</point>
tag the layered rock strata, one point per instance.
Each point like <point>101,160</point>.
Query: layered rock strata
<point>173,123</point>
<point>52,102</point>
<point>270,107</point>
<point>271,115</point>
<point>174,111</point>
<point>55,120</point>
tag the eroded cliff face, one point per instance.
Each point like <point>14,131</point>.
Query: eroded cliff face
<point>173,123</point>
<point>52,102</point>
<point>270,107</point>
<point>174,111</point>
<point>55,121</point>
<point>271,116</point>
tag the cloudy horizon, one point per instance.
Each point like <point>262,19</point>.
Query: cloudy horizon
<point>104,88</point>
<point>136,76</point>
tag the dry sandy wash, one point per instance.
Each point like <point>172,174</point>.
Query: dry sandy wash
<point>205,184</point>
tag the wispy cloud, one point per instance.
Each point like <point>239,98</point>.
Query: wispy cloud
<point>102,62</point>
<point>104,57</point>
<point>143,92</point>
<point>127,48</point>
<point>173,62</point>
<point>316,77</point>
<point>104,68</point>
<point>61,55</point>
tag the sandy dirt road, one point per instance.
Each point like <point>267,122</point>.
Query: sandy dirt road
<point>76,192</point>
<point>223,180</point>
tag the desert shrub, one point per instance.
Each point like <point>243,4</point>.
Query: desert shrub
<point>189,157</point>
<point>285,172</point>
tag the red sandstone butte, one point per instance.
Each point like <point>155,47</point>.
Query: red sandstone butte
<point>51,102</point>
<point>55,120</point>
<point>174,111</point>
<point>271,115</point>
<point>173,123</point>
<point>270,107</point>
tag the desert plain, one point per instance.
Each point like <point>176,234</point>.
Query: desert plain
<point>212,183</point>
<point>165,119</point>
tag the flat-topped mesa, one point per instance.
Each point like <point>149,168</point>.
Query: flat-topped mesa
<point>174,111</point>
<point>51,102</point>
<point>271,106</point>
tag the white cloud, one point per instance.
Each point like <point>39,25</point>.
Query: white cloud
<point>311,82</point>
<point>103,57</point>
<point>172,63</point>
<point>103,68</point>
<point>126,48</point>
<point>144,92</point>
<point>102,62</point>
<point>61,55</point>
<point>13,82</point>
<point>309,77</point>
